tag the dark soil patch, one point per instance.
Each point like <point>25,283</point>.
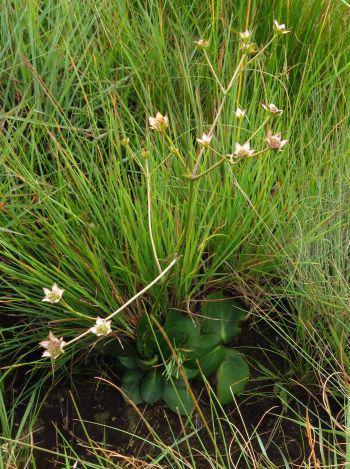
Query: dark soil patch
<point>115,426</point>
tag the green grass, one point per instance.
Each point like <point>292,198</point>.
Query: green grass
<point>76,78</point>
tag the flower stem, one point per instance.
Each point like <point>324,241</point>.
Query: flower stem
<point>149,207</point>
<point>218,114</point>
<point>213,71</point>
<point>218,163</point>
<point>141,292</point>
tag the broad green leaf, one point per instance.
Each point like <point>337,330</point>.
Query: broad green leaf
<point>152,386</point>
<point>211,361</point>
<point>190,369</point>
<point>131,381</point>
<point>176,397</point>
<point>222,316</point>
<point>129,362</point>
<point>232,376</point>
<point>180,327</point>
<point>199,346</point>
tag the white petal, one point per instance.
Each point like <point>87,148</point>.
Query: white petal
<point>46,291</point>
<point>93,329</point>
<point>44,343</point>
<point>46,299</point>
<point>46,354</point>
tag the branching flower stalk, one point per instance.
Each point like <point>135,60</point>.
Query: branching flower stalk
<point>160,123</point>
<point>99,321</point>
<point>194,176</point>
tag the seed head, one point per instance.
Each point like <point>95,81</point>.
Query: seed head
<point>159,123</point>
<point>125,141</point>
<point>248,49</point>
<point>53,346</point>
<point>275,142</point>
<point>241,151</point>
<point>272,109</point>
<point>202,43</point>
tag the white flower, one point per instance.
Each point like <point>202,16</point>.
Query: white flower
<point>280,28</point>
<point>159,123</point>
<point>102,327</point>
<point>54,295</point>
<point>272,109</point>
<point>202,43</point>
<point>245,35</point>
<point>240,113</point>
<point>275,142</point>
<point>205,140</point>
<point>53,346</point>
<point>241,151</point>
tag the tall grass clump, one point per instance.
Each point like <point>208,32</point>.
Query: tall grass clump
<point>128,185</point>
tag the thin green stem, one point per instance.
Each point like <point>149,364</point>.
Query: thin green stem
<point>185,232</point>
<point>218,163</point>
<point>213,71</point>
<point>175,150</point>
<point>149,213</point>
<point>141,292</point>
<point>258,129</point>
<point>218,114</point>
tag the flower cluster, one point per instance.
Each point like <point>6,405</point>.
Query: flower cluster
<point>102,327</point>
<point>241,151</point>
<point>159,123</point>
<point>205,140</point>
<point>280,28</point>
<point>54,347</point>
<point>272,109</point>
<point>275,142</point>
<point>54,295</point>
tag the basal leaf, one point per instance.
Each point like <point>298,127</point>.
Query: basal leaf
<point>232,376</point>
<point>131,381</point>
<point>211,361</point>
<point>180,327</point>
<point>222,316</point>
<point>152,386</point>
<point>177,398</point>
<point>201,345</point>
